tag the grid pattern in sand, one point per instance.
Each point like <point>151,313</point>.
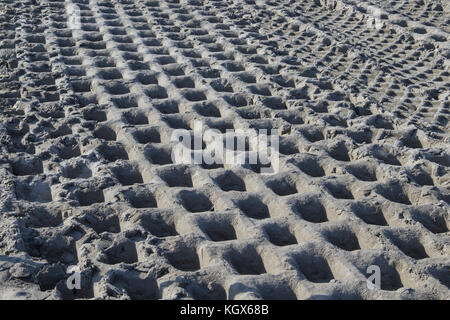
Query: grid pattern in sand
<point>88,180</point>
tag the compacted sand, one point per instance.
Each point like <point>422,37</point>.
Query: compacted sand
<point>359,91</point>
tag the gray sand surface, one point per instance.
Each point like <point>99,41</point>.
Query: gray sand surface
<point>92,90</point>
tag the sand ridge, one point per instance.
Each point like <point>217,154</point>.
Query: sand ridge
<point>358,89</point>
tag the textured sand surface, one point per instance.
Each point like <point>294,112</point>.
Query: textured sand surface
<point>358,89</point>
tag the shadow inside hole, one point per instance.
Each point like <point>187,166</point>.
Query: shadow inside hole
<point>218,230</point>
<point>141,199</point>
<point>362,172</point>
<point>177,177</point>
<point>135,118</point>
<point>311,209</point>
<point>393,192</point>
<point>314,267</point>
<point>107,221</point>
<point>105,133</point>
<point>369,214</point>
<point>113,152</point>
<point>247,261</point>
<point>184,259</point>
<point>210,291</point>
<point>125,102</point>
<point>310,166</point>
<point>167,106</point>
<point>280,235</point>
<point>94,114</point>
<point>27,166</point>
<point>384,155</point>
<point>339,191</point>
<point>35,192</point>
<point>390,279</point>
<point>287,147</point>
<point>282,187</point>
<point>194,201</point>
<point>158,156</point>
<point>421,177</point>
<point>430,219</point>
<point>136,285</point>
<point>442,274</point>
<point>41,217</point>
<point>230,181</point>
<point>409,244</point>
<point>88,197</point>
<point>253,207</point>
<point>343,238</point>
<point>147,135</point>
<point>69,152</point>
<point>127,175</point>
<point>339,152</point>
<point>270,291</point>
<point>78,170</point>
<point>157,223</point>
<point>207,110</point>
<point>312,135</point>
<point>124,251</point>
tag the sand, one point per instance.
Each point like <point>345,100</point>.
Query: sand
<point>359,91</point>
